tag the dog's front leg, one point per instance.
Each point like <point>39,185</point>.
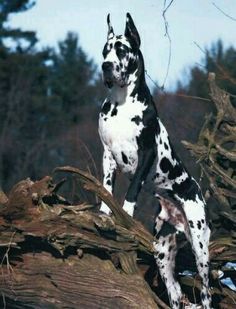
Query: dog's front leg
<point>109,170</point>
<point>145,161</point>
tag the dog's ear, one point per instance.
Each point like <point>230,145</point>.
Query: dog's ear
<point>110,33</point>
<point>131,32</point>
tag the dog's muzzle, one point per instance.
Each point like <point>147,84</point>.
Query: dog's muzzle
<point>108,77</point>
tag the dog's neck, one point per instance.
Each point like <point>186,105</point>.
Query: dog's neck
<point>136,81</point>
<point>119,94</point>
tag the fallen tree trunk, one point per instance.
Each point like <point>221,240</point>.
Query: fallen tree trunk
<point>42,281</point>
<point>56,255</point>
<point>59,255</point>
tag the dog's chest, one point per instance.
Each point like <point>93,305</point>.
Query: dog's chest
<point>119,127</point>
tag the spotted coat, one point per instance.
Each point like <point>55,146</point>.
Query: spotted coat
<point>136,141</point>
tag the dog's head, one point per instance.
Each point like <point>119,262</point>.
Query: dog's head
<point>120,54</point>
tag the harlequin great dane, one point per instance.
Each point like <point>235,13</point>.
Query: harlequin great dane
<point>136,141</point>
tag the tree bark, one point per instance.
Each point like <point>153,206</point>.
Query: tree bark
<point>56,255</point>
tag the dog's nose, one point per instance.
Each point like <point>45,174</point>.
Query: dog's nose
<point>107,66</point>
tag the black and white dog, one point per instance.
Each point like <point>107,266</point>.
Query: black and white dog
<point>136,141</point>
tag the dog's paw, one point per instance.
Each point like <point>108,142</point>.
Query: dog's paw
<point>129,207</point>
<point>104,208</point>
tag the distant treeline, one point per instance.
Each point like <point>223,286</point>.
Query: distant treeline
<point>43,97</point>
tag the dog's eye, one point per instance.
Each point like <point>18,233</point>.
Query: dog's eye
<point>121,53</point>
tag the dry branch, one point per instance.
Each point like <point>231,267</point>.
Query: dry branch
<point>216,148</point>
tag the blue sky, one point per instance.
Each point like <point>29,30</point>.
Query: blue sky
<point>189,21</point>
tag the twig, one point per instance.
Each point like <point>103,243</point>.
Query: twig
<point>191,97</point>
<point>224,74</point>
<point>176,94</point>
<point>201,49</point>
<point>154,83</point>
<point>4,301</point>
<point>227,15</point>
<point>166,7</point>
<point>90,157</point>
<point>5,257</point>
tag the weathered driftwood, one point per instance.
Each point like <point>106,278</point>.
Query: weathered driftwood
<point>40,280</point>
<point>55,255</point>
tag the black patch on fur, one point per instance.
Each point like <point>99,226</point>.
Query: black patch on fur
<point>115,110</point>
<point>191,224</point>
<point>132,66</point>
<point>105,50</point>
<point>199,225</point>
<point>165,165</point>
<point>175,172</point>
<point>113,178</point>
<point>121,50</point>
<point>166,146</point>
<point>109,182</point>
<point>201,245</point>
<point>124,158</point>
<point>118,44</point>
<point>137,120</point>
<point>151,128</point>
<point>146,151</point>
<point>141,88</point>
<point>187,189</point>
<point>161,256</point>
<point>106,107</point>
<point>167,229</point>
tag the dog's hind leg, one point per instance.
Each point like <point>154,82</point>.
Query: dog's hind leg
<point>199,239</point>
<point>166,250</point>
<point>200,242</point>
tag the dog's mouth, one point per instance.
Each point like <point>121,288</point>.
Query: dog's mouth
<point>109,81</point>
